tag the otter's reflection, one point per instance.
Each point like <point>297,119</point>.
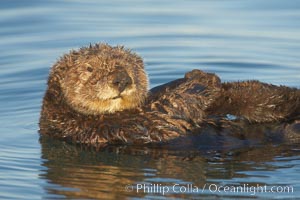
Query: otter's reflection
<point>199,159</point>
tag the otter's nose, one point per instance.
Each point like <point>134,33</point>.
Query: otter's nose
<point>121,80</point>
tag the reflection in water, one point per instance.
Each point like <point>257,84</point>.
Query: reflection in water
<point>84,172</point>
<point>90,175</point>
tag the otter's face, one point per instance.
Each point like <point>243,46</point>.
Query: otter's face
<point>102,79</point>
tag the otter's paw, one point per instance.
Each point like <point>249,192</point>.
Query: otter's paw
<point>195,73</point>
<point>204,78</point>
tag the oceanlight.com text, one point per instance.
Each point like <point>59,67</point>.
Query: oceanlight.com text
<point>208,188</point>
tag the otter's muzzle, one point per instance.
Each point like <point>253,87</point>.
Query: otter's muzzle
<point>120,79</point>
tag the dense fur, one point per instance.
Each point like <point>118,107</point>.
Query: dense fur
<point>259,102</point>
<point>98,95</point>
<point>85,78</point>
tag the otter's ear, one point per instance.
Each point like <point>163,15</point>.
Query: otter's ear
<point>56,73</point>
<point>54,83</point>
<point>60,69</point>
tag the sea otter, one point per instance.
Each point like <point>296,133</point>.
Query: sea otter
<point>99,95</point>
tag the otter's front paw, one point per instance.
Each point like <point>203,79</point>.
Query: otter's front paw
<point>203,78</point>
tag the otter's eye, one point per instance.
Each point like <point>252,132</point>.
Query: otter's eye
<point>90,69</point>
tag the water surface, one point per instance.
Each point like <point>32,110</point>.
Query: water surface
<point>237,39</point>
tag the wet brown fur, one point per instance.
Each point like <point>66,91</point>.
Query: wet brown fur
<point>74,110</point>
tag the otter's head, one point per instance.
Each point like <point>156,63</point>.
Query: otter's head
<point>101,79</point>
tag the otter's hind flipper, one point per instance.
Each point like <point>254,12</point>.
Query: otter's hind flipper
<point>259,102</point>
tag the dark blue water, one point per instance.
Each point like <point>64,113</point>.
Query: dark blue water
<point>237,39</point>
